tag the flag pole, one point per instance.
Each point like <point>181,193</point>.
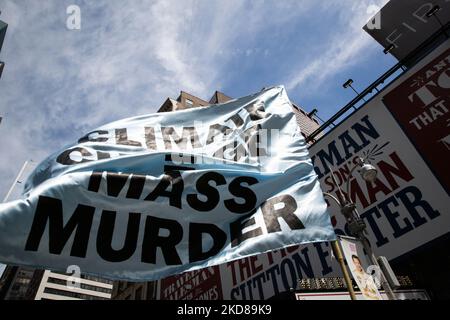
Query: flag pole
<point>340,257</point>
<point>15,181</point>
<point>338,252</point>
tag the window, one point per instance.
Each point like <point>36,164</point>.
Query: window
<point>189,103</point>
<point>72,294</point>
<point>81,285</point>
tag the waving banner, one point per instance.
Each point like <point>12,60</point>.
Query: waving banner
<point>151,196</point>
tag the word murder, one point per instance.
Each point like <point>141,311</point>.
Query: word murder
<point>161,233</point>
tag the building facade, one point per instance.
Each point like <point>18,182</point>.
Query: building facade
<point>21,283</point>
<point>123,290</point>
<point>60,286</point>
<point>16,282</point>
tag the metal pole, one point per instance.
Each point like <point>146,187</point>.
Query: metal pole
<point>442,26</point>
<point>357,93</point>
<point>340,257</point>
<point>15,181</point>
<point>361,237</point>
<point>340,194</point>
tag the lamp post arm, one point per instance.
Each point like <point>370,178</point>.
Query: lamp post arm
<point>332,197</point>
<point>347,186</point>
<point>340,194</point>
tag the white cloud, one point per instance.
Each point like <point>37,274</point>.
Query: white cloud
<point>128,57</point>
<point>347,45</point>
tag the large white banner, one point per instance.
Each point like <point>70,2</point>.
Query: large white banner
<point>156,195</point>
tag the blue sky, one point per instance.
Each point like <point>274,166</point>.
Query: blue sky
<point>129,57</point>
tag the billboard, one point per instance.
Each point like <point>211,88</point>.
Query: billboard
<point>257,277</point>
<point>203,284</point>
<point>406,25</point>
<point>421,106</point>
<point>404,208</point>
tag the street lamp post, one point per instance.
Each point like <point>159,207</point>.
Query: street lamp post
<point>340,257</point>
<point>432,13</point>
<point>356,225</point>
<point>348,84</point>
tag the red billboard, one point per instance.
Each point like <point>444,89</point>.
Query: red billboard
<point>203,284</point>
<point>421,106</point>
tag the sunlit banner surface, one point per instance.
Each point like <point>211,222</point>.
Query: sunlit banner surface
<point>155,195</point>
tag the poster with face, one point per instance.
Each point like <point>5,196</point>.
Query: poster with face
<point>359,265</point>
